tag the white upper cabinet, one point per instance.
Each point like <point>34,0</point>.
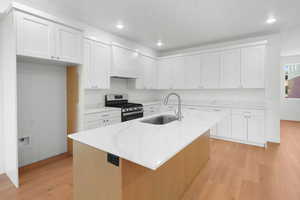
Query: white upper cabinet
<point>125,62</point>
<point>231,69</point>
<point>192,71</point>
<point>150,72</point>
<point>68,44</point>
<point>40,38</point>
<point>177,70</point>
<point>164,74</point>
<point>147,73</point>
<point>97,62</point>
<point>87,65</point>
<point>171,73</point>
<point>253,67</point>
<point>210,70</point>
<point>35,36</point>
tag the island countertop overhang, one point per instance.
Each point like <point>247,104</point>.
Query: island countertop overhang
<point>149,145</point>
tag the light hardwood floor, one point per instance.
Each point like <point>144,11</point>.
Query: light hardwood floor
<point>234,171</point>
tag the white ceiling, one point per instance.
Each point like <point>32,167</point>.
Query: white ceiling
<point>179,23</point>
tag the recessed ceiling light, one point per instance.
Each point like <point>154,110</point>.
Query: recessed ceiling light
<point>271,20</point>
<point>159,43</point>
<point>120,26</point>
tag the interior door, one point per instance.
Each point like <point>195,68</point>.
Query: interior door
<point>231,69</point>
<point>210,70</point>
<point>192,66</point>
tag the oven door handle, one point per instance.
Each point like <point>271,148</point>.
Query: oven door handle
<point>132,113</point>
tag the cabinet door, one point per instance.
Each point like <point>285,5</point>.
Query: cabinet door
<point>68,44</point>
<point>213,131</point>
<point>253,67</point>
<point>140,82</point>
<point>192,72</point>
<point>87,65</point>
<point>164,74</point>
<point>101,62</point>
<point>35,37</point>
<point>177,67</point>
<point>239,126</point>
<point>256,129</point>
<point>210,70</point>
<point>150,73</point>
<point>224,127</point>
<point>125,62</point>
<point>147,73</point>
<point>231,69</point>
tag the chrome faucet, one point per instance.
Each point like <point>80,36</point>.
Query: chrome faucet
<point>179,113</point>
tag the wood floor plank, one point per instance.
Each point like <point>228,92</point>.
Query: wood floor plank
<point>234,172</point>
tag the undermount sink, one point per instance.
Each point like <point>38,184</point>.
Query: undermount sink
<point>160,120</point>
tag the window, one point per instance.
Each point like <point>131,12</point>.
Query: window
<point>292,80</point>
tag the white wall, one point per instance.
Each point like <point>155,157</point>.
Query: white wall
<point>41,111</point>
<point>4,4</point>
<point>290,38</point>
<point>289,108</point>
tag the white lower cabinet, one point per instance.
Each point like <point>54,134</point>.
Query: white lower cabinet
<point>256,128</point>
<point>97,120</point>
<point>224,127</point>
<point>248,126</point>
<point>239,125</point>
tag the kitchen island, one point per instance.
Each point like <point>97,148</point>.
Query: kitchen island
<point>141,161</point>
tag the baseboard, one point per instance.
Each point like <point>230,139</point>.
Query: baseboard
<point>238,141</point>
<point>274,140</point>
<point>44,162</point>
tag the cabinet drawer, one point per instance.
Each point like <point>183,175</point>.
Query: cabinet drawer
<point>104,115</point>
<point>92,125</point>
<point>248,112</point>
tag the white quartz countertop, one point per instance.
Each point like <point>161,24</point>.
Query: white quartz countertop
<point>146,144</point>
